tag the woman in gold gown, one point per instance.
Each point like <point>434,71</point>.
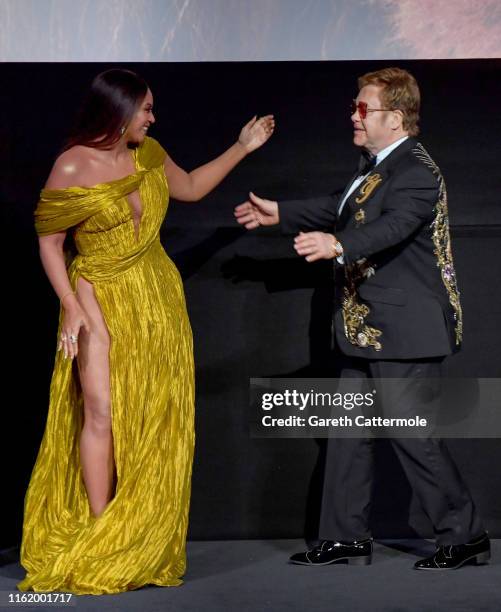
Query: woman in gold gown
<point>107,505</point>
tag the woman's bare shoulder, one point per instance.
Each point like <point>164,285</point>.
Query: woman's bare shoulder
<point>69,168</point>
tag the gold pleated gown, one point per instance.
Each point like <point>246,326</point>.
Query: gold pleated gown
<point>140,537</point>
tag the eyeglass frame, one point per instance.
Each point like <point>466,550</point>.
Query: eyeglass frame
<point>355,106</point>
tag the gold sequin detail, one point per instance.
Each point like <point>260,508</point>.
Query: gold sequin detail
<point>354,313</point>
<point>442,242</point>
<point>360,217</point>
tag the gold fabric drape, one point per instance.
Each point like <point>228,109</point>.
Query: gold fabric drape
<point>140,537</point>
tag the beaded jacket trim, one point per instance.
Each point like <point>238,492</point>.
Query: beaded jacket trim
<point>441,240</point>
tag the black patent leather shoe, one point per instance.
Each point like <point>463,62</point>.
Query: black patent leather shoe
<point>327,552</point>
<point>476,552</point>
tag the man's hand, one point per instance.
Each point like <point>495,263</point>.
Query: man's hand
<point>316,245</point>
<point>257,211</point>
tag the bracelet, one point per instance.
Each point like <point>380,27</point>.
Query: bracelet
<point>66,295</point>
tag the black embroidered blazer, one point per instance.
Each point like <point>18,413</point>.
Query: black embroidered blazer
<point>396,293</point>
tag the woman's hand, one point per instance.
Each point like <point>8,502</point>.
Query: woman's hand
<point>74,318</point>
<point>255,133</point>
<point>257,211</point>
<point>316,245</point>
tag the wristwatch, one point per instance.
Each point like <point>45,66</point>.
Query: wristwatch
<point>337,247</point>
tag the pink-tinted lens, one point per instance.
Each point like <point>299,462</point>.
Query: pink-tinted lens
<point>361,107</point>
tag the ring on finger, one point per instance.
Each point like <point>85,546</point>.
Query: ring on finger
<point>73,339</point>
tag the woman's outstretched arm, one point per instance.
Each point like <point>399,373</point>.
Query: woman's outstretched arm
<point>194,185</point>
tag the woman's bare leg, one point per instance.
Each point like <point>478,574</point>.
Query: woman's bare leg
<point>96,441</point>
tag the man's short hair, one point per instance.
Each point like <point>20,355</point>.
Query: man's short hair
<point>400,91</point>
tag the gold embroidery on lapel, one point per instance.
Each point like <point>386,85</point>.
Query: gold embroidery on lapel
<point>370,183</point>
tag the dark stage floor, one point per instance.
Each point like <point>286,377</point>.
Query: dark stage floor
<point>250,576</point>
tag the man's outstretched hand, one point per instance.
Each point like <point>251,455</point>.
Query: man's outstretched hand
<point>257,211</point>
<point>316,245</point>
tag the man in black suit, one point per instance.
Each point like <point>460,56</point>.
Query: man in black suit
<point>397,315</point>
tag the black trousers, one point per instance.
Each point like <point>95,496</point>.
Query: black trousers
<point>426,461</point>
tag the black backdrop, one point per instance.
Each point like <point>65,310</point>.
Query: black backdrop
<point>256,309</point>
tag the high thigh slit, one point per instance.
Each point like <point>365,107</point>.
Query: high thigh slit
<point>140,537</point>
<point>94,375</point>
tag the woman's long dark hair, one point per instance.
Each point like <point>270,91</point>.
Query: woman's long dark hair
<point>110,105</point>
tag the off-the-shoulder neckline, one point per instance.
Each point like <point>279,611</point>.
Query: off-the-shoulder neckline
<point>97,186</point>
